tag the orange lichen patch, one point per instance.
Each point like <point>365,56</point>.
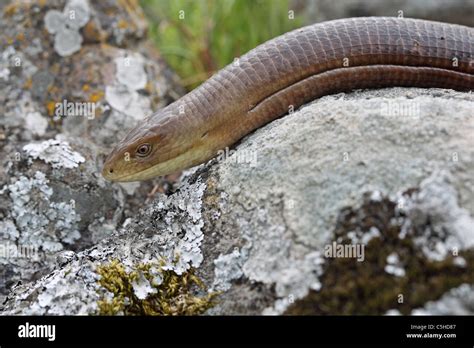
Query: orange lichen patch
<point>149,87</point>
<point>122,24</point>
<point>28,83</point>
<point>134,11</point>
<point>51,107</point>
<point>54,69</point>
<point>85,87</point>
<point>53,89</point>
<point>110,11</point>
<point>133,8</point>
<point>10,10</point>
<point>20,36</point>
<point>95,97</point>
<point>92,33</point>
<point>42,3</point>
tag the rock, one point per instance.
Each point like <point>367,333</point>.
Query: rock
<point>305,216</point>
<point>168,231</point>
<point>57,122</point>
<point>312,165</point>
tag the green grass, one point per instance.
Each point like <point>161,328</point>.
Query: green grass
<point>213,32</point>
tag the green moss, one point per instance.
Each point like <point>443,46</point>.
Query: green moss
<point>174,296</point>
<point>350,287</point>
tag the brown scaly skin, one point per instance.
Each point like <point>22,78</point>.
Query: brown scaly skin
<point>289,71</point>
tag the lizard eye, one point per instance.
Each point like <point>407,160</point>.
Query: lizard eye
<point>143,150</point>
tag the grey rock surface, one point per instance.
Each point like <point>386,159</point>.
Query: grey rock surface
<point>255,223</point>
<point>312,164</point>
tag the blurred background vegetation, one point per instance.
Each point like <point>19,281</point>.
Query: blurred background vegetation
<point>213,32</point>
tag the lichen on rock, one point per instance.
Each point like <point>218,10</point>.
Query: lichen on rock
<point>45,226</point>
<point>65,26</point>
<point>52,55</point>
<point>170,236</point>
<point>55,152</point>
<point>359,150</point>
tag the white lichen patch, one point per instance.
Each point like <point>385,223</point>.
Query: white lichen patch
<point>131,71</point>
<point>122,95</point>
<point>8,229</point>
<point>293,281</point>
<point>131,77</point>
<point>361,237</point>
<point>173,237</point>
<point>443,227</point>
<point>65,26</point>
<point>376,196</point>
<point>6,63</point>
<point>129,102</point>
<point>54,21</point>
<point>41,223</point>
<point>77,13</point>
<point>10,57</point>
<point>4,74</point>
<point>227,268</point>
<point>186,253</point>
<point>59,293</point>
<point>142,287</point>
<point>67,42</point>
<point>394,266</point>
<point>460,261</point>
<point>393,312</point>
<point>65,257</point>
<point>457,301</point>
<point>55,152</point>
<point>36,123</point>
<point>10,250</point>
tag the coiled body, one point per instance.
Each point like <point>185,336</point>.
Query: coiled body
<point>288,71</point>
